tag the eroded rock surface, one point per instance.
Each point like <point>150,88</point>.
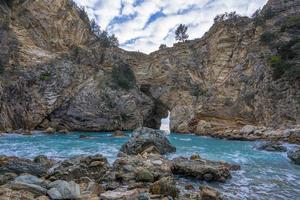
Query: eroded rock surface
<point>223,81</point>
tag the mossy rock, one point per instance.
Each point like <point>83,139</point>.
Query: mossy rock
<point>144,175</point>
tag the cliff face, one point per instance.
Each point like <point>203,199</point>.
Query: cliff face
<point>57,75</point>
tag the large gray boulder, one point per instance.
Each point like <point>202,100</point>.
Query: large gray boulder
<point>294,155</point>
<point>63,190</point>
<point>147,138</point>
<point>21,165</point>
<point>202,169</point>
<point>272,146</point>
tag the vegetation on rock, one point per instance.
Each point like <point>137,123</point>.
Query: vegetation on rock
<point>181,33</point>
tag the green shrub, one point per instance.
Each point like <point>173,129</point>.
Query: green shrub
<point>267,37</point>
<point>290,49</point>
<point>279,66</point>
<point>259,21</point>
<point>45,76</point>
<point>268,13</point>
<point>291,22</point>
<point>123,76</point>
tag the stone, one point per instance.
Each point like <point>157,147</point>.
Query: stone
<point>195,157</point>
<point>84,137</point>
<point>189,187</point>
<point>93,167</point>
<point>129,169</point>
<point>43,160</point>
<point>7,177</point>
<point>165,187</point>
<point>144,175</point>
<point>50,130</point>
<point>64,131</point>
<point>272,146</point>
<point>21,165</point>
<point>294,155</point>
<point>201,169</point>
<point>63,190</point>
<point>248,130</point>
<point>118,134</point>
<point>120,195</point>
<point>144,138</point>
<point>208,193</point>
<point>30,179</point>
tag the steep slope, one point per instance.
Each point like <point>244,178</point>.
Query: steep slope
<point>57,75</point>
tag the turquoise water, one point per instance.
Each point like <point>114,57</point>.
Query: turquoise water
<point>264,175</point>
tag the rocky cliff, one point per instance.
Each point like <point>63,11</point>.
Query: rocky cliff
<point>55,74</point>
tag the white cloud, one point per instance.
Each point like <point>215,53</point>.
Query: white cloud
<point>128,19</point>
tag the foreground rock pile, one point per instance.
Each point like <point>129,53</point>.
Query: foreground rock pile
<point>146,175</point>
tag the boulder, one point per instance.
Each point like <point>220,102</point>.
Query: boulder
<point>43,160</point>
<point>63,190</point>
<point>50,130</point>
<point>166,186</point>
<point>120,195</point>
<point>118,134</point>
<point>7,177</point>
<point>272,146</point>
<point>201,169</point>
<point>84,136</point>
<point>93,167</point>
<point>209,193</point>
<point>139,168</point>
<point>294,155</point>
<point>195,157</point>
<point>144,175</point>
<point>21,165</point>
<point>143,138</point>
<point>248,130</point>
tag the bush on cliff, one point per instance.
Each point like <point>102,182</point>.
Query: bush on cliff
<point>123,76</point>
<point>267,37</point>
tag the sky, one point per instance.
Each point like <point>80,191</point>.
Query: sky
<point>142,25</point>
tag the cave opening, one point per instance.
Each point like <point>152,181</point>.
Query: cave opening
<point>165,124</point>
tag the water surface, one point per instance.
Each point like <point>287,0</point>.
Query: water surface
<point>264,175</point>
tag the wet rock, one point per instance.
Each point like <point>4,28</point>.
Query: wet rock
<point>294,155</point>
<point>63,190</point>
<point>50,130</point>
<point>93,167</point>
<point>272,146</point>
<point>143,138</point>
<point>209,193</point>
<point>139,168</point>
<point>64,131</point>
<point>21,165</point>
<point>43,160</point>
<point>144,175</point>
<point>84,137</point>
<point>189,187</point>
<point>120,195</point>
<point>166,186</point>
<point>201,169</point>
<point>7,177</point>
<point>195,157</point>
<point>118,134</point>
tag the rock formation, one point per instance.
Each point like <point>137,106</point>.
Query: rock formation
<point>54,73</point>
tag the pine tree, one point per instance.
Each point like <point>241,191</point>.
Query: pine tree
<point>180,33</point>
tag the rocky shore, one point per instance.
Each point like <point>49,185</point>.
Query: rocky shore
<point>145,174</point>
<point>252,133</point>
